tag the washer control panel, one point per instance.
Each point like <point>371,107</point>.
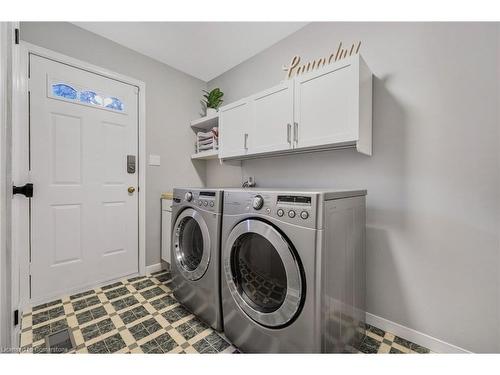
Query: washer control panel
<point>208,200</point>
<point>205,199</point>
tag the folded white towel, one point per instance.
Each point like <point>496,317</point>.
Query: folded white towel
<point>205,148</point>
<point>206,141</point>
<point>214,132</point>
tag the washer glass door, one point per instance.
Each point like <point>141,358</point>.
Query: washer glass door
<point>263,273</point>
<point>191,244</point>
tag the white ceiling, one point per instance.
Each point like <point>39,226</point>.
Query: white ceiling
<point>201,49</point>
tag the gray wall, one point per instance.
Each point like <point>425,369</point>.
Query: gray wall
<point>433,181</point>
<point>172,100</point>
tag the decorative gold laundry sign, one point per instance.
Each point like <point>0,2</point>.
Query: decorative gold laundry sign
<point>295,68</point>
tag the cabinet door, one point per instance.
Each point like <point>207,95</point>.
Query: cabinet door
<point>235,124</point>
<point>273,119</point>
<point>325,107</point>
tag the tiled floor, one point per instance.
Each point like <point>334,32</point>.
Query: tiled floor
<point>141,315</point>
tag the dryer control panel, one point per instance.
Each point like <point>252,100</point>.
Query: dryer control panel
<point>298,209</point>
<point>299,206</point>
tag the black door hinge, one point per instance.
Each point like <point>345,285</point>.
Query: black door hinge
<point>16,317</point>
<point>16,36</point>
<point>26,190</point>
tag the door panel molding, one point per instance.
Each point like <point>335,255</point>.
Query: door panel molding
<point>20,162</point>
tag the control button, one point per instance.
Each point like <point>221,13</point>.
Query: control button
<point>188,196</point>
<point>200,203</point>
<point>211,203</point>
<point>257,202</point>
<point>205,203</point>
<point>268,210</point>
<point>280,212</point>
<point>304,215</point>
<point>291,214</point>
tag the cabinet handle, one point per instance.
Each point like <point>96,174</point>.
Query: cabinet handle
<point>289,133</point>
<point>245,138</point>
<point>295,132</point>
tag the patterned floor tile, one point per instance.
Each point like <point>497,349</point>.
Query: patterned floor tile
<point>175,314</point>
<point>39,333</point>
<point>109,345</point>
<point>97,329</point>
<point>115,293</point>
<point>144,329</point>
<point>135,278</point>
<point>133,314</point>
<point>84,303</point>
<point>120,317</point>
<point>47,315</point>
<point>163,277</point>
<point>162,302</point>
<point>111,286</point>
<point>212,343</point>
<point>369,345</point>
<point>153,292</point>
<point>143,284</point>
<point>192,328</point>
<point>90,315</point>
<point>83,294</point>
<point>162,344</point>
<point>124,303</point>
<point>45,305</point>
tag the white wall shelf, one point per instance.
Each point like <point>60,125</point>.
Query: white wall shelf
<point>206,155</point>
<point>206,123</point>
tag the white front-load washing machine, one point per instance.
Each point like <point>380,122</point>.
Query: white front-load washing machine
<point>293,270</point>
<point>196,228</point>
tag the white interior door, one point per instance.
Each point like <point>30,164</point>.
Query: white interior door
<point>84,222</point>
<point>273,119</point>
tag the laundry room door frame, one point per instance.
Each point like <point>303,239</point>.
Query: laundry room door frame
<point>20,166</point>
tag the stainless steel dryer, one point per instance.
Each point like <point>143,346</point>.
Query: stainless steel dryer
<point>196,228</point>
<point>293,274</point>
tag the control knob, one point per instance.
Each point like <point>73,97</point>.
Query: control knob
<point>257,202</point>
<point>188,196</point>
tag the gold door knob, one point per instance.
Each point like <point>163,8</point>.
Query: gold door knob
<point>131,189</point>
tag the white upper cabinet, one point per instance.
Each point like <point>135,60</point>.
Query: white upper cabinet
<point>324,108</point>
<point>330,107</point>
<point>273,119</point>
<point>235,124</point>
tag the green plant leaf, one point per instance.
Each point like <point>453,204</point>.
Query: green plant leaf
<point>213,98</point>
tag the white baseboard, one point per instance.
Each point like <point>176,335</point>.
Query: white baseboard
<point>154,268</point>
<point>433,344</point>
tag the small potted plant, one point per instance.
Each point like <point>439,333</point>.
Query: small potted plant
<point>212,100</point>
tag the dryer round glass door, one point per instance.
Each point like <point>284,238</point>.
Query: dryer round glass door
<point>191,244</point>
<point>263,273</point>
